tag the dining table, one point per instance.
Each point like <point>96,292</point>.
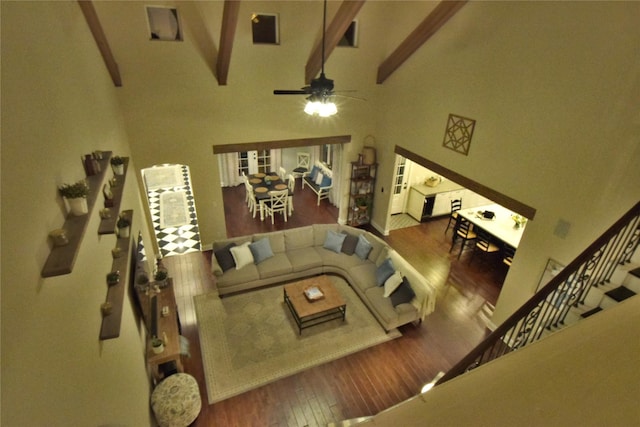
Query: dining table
<point>501,225</point>
<point>263,184</point>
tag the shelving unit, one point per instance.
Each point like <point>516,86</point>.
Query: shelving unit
<point>361,192</point>
<point>108,225</point>
<point>62,258</point>
<point>115,294</point>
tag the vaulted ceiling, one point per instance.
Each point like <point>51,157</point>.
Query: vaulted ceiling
<point>436,14</point>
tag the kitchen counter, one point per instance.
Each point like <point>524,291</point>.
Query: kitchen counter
<point>443,187</point>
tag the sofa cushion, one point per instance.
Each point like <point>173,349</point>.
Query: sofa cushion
<point>314,172</point>
<point>277,265</point>
<point>242,255</point>
<point>403,295</point>
<point>363,276</point>
<point>339,260</point>
<point>363,247</point>
<point>333,241</point>
<point>276,240</point>
<point>305,259</point>
<point>261,250</point>
<point>377,245</point>
<point>384,271</point>
<point>249,273</point>
<point>297,238</point>
<point>224,257</point>
<point>392,283</point>
<point>349,244</point>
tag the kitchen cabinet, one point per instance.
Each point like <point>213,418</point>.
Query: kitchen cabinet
<point>415,204</point>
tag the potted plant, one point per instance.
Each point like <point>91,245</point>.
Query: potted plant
<point>161,277</point>
<point>76,196</point>
<point>124,226</point>
<point>117,164</point>
<point>142,281</point>
<point>157,345</point>
<point>113,278</point>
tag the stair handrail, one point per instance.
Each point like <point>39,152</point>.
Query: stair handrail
<point>494,342</point>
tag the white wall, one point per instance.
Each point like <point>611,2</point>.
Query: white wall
<point>59,103</point>
<point>553,87</point>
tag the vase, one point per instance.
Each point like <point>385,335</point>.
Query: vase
<point>118,169</point>
<point>123,232</point>
<point>78,206</point>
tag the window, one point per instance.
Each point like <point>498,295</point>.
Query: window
<point>264,27</point>
<point>350,37</point>
<point>163,23</point>
<point>327,155</point>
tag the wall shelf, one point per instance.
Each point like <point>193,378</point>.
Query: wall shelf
<point>115,294</point>
<point>108,225</point>
<point>62,258</point>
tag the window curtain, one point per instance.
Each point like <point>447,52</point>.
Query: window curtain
<point>336,171</point>
<point>228,165</point>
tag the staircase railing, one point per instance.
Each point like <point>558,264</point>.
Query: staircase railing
<point>549,307</point>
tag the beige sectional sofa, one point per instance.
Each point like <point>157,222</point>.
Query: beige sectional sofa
<point>302,252</point>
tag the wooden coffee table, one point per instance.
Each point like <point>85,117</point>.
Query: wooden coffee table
<point>309,313</point>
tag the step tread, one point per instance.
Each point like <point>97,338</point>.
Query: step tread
<point>590,312</point>
<point>635,272</point>
<point>620,293</point>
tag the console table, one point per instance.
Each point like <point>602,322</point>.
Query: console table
<point>167,327</point>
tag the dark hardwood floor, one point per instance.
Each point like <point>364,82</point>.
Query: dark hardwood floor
<point>369,381</point>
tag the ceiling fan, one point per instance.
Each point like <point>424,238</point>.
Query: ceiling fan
<point>320,90</point>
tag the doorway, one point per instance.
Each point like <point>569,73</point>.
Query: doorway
<point>399,197</point>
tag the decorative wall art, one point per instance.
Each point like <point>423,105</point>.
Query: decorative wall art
<point>458,133</point>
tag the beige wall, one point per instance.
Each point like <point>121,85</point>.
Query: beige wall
<point>553,87</point>
<point>58,103</point>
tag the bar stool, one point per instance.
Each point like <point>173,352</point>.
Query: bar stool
<point>456,205</point>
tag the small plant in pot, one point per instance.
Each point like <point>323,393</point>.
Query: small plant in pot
<point>124,226</point>
<point>142,281</point>
<point>157,345</point>
<point>117,164</point>
<point>113,278</point>
<point>76,196</point>
<point>161,277</point>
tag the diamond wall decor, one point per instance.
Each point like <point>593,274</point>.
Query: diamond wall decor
<point>458,133</point>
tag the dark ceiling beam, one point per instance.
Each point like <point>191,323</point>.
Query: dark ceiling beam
<point>227,34</point>
<point>90,15</point>
<point>428,27</point>
<point>335,30</point>
<point>285,143</point>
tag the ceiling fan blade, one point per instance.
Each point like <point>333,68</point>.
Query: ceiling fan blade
<point>290,92</point>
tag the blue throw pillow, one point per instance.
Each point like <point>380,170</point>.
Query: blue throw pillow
<point>314,173</point>
<point>385,271</point>
<point>363,248</point>
<point>333,241</point>
<point>261,250</point>
<point>326,181</point>
<point>403,294</point>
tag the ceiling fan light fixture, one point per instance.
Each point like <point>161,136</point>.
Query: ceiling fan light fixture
<point>322,106</point>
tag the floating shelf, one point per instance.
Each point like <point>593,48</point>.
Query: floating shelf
<point>115,294</point>
<point>62,258</point>
<point>108,225</point>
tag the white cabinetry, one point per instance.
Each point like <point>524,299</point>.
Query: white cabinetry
<point>442,204</point>
<point>415,204</point>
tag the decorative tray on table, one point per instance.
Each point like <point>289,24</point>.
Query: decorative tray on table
<point>313,293</point>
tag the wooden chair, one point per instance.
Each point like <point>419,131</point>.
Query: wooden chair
<point>463,230</point>
<point>456,205</point>
<point>292,185</point>
<point>278,202</point>
<point>254,205</point>
<point>282,173</point>
<point>484,244</point>
<point>303,165</point>
<point>508,252</point>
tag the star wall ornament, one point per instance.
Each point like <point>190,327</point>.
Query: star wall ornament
<point>458,133</point>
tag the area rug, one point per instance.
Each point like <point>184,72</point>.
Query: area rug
<point>250,339</point>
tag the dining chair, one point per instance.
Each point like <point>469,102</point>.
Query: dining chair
<point>292,185</point>
<point>254,205</point>
<point>282,173</point>
<point>484,244</point>
<point>303,165</point>
<point>508,252</point>
<point>247,187</point>
<point>456,205</point>
<point>277,202</point>
<point>463,230</point>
